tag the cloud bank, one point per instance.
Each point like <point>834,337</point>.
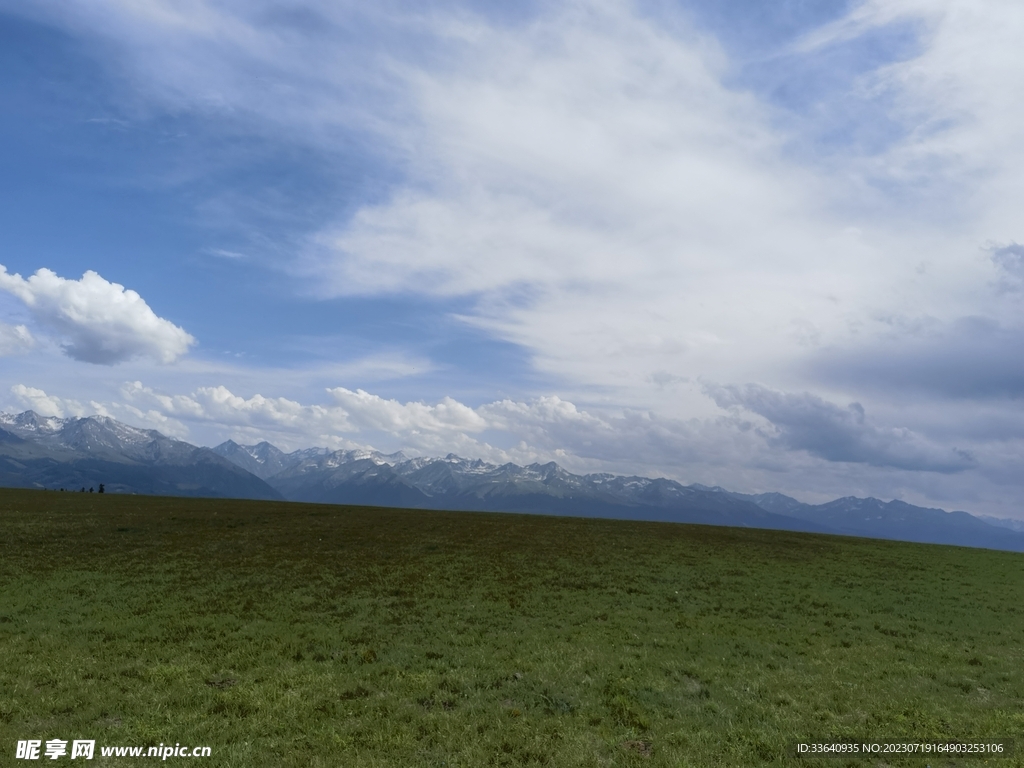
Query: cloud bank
<point>97,321</point>
<point>553,427</point>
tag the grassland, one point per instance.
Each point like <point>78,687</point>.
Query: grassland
<point>302,635</point>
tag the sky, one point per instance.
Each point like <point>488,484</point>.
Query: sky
<point>768,246</point>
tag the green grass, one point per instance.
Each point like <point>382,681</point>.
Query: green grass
<point>303,635</point>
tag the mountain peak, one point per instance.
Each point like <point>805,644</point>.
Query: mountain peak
<point>31,423</point>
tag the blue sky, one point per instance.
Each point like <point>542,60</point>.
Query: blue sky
<point>767,246</point>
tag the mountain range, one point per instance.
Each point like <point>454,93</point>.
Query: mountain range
<point>372,478</point>
<point>76,453</point>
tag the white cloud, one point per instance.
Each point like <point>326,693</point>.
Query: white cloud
<point>416,426</point>
<point>98,321</point>
<point>960,156</point>
<point>622,213</point>
<point>46,405</point>
<point>543,429</point>
<point>202,55</point>
<point>15,339</point>
<point>218,404</point>
<point>573,152</point>
<point>226,254</point>
<point>368,411</point>
<point>546,428</point>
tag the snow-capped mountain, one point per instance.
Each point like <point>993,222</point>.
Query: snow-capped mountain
<point>378,479</point>
<point>96,436</point>
<point>265,460</point>
<point>452,482</point>
<point>47,452</point>
<point>30,423</point>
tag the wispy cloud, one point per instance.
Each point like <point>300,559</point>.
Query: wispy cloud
<point>226,254</point>
<point>15,339</point>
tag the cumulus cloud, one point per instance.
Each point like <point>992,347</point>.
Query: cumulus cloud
<point>37,400</point>
<point>97,321</point>
<point>15,339</point>
<point>417,426</point>
<point>373,412</point>
<point>809,423</point>
<point>221,405</point>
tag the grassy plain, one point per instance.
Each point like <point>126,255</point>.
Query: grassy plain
<point>303,635</point>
